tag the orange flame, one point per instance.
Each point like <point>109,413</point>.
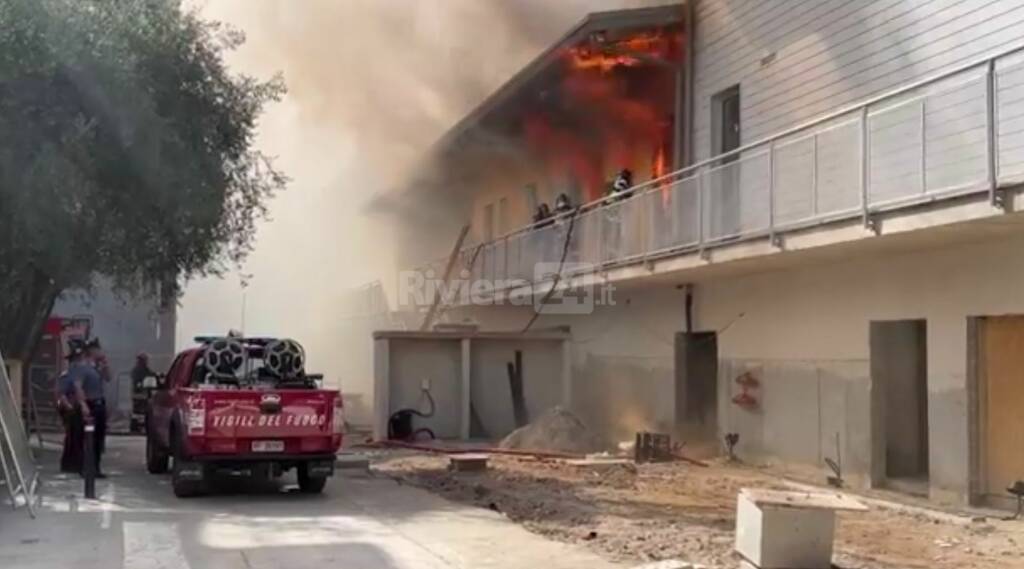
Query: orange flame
<point>584,58</point>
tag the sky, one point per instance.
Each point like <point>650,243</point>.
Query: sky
<point>372,83</point>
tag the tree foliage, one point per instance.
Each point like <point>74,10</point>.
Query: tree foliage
<point>126,149</point>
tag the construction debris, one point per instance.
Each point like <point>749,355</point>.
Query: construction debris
<point>468,462</point>
<point>648,513</point>
<point>556,430</point>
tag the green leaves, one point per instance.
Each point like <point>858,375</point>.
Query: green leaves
<point>125,146</point>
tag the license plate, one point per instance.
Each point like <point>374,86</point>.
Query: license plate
<point>267,446</point>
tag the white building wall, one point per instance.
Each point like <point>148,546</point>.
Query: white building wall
<point>804,334</point>
<point>798,59</point>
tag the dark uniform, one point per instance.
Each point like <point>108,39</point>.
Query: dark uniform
<point>92,385</point>
<point>74,426</point>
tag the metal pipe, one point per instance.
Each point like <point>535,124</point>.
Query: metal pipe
<point>771,192</point>
<point>864,164</point>
<point>992,141</point>
<point>924,148</point>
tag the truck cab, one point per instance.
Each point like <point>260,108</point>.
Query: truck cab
<point>242,407</point>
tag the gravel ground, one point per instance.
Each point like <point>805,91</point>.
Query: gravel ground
<point>652,512</point>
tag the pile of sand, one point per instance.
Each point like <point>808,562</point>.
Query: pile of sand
<point>557,430</point>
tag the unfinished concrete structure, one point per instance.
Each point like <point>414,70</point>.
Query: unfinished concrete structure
<point>465,374</point>
<point>836,245</point>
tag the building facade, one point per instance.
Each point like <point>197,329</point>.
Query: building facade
<point>829,270</point>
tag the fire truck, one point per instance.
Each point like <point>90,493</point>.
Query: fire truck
<point>242,407</point>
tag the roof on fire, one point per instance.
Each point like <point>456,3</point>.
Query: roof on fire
<point>613,20</point>
<point>598,21</point>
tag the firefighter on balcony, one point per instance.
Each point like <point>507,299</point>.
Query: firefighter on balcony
<point>563,210</point>
<point>622,185</point>
<point>563,204</point>
<point>620,189</point>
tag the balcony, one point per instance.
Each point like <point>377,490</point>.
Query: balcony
<point>955,135</point>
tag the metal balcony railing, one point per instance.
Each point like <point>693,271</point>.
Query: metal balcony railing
<point>959,132</point>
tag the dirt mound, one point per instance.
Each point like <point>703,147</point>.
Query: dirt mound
<point>557,430</point>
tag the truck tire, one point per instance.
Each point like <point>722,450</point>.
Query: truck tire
<point>183,487</point>
<point>157,459</point>
<point>310,484</point>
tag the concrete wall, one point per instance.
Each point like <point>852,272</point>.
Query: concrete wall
<point>796,60</point>
<point>804,333</point>
<point>467,375</point>
<point>490,392</point>
<point>440,362</point>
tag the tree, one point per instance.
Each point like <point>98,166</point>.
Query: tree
<point>126,149</point>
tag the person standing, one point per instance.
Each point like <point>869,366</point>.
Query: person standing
<point>89,375</point>
<point>73,410</point>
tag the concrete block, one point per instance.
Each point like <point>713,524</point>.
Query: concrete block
<point>468,462</point>
<point>785,530</point>
<point>351,462</point>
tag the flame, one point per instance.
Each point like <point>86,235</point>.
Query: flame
<point>626,52</point>
<point>659,169</point>
<point>611,108</point>
<point>584,58</point>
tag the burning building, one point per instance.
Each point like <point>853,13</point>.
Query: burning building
<point>608,96</point>
<point>828,268</point>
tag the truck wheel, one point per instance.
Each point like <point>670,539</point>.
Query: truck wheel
<point>157,459</point>
<point>310,484</point>
<point>184,487</point>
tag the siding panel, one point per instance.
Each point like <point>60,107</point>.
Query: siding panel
<point>831,54</point>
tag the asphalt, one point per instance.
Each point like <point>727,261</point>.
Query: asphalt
<point>360,521</point>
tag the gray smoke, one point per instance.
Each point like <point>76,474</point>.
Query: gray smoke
<point>372,84</point>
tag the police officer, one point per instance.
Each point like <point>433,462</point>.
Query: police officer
<point>73,411</point>
<point>93,372</point>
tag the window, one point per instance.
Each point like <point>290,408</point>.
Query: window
<point>488,222</point>
<point>532,198</point>
<point>501,217</point>
<point>725,121</point>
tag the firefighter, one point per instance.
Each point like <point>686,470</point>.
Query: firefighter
<point>93,373</point>
<point>563,204</point>
<point>542,217</point>
<point>141,371</point>
<point>622,184</point>
<point>73,410</point>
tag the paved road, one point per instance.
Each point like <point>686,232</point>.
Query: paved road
<point>361,521</point>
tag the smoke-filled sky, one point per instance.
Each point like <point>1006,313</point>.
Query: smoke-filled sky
<point>372,83</point>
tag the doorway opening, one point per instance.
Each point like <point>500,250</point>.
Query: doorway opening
<point>899,387</point>
<point>696,390</point>
<point>999,397</point>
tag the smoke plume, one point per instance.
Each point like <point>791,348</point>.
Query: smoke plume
<point>372,84</point>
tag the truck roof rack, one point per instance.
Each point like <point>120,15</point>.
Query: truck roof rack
<point>254,341</point>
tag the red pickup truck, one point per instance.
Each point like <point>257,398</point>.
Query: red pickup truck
<point>242,407</point>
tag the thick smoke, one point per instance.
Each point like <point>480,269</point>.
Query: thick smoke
<point>372,84</point>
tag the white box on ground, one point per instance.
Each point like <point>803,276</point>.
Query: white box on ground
<point>788,530</point>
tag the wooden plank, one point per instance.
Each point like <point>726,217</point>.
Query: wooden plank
<point>1002,399</point>
<point>429,318</point>
<point>468,462</point>
<point>809,500</point>
<point>592,462</point>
